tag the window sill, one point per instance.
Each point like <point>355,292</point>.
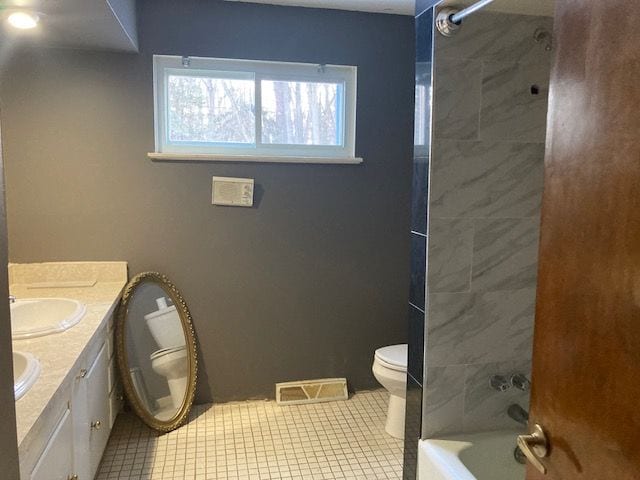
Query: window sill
<point>201,157</point>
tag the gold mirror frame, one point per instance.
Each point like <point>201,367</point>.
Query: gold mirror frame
<point>121,352</point>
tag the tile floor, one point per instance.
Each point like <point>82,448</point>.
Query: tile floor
<point>260,440</point>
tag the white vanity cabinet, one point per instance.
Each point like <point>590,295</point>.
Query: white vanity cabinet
<point>98,401</point>
<point>90,412</point>
<point>75,446</point>
<point>56,462</point>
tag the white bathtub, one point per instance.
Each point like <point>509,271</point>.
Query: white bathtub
<point>479,456</point>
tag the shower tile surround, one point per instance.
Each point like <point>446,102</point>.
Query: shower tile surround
<point>490,101</point>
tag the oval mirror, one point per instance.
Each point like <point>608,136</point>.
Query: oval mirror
<point>156,351</point>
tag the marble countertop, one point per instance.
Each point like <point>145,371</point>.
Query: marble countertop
<point>61,355</point>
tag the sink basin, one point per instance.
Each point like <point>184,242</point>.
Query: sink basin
<point>36,317</point>
<point>26,369</point>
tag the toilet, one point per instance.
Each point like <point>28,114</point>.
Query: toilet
<point>172,363</point>
<point>390,369</point>
<point>170,360</point>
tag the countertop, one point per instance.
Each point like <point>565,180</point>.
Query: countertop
<point>61,355</point>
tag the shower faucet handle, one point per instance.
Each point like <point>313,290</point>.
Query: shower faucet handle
<point>500,383</point>
<point>521,382</point>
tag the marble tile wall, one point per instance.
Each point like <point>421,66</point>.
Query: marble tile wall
<point>486,169</point>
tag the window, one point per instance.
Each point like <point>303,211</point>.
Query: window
<point>213,108</point>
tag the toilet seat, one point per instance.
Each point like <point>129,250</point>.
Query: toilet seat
<point>393,357</point>
<point>166,351</point>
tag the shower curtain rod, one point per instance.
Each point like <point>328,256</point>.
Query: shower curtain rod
<point>462,14</point>
<point>449,19</point>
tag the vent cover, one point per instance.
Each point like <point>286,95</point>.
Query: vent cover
<point>235,192</point>
<point>311,391</point>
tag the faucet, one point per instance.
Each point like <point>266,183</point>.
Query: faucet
<point>12,299</point>
<point>500,383</point>
<point>520,381</point>
<point>519,414</point>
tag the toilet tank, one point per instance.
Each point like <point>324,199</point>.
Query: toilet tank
<point>165,326</point>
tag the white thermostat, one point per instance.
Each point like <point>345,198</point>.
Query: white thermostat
<point>236,192</point>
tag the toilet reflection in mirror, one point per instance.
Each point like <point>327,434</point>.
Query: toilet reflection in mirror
<point>159,353</point>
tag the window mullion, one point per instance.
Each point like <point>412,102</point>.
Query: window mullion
<point>258,110</point>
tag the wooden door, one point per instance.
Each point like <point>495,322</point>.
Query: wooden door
<point>586,365</point>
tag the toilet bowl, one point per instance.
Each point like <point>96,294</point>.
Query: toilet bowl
<point>170,360</point>
<point>172,364</point>
<point>390,369</point>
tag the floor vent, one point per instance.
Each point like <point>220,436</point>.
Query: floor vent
<point>311,391</point>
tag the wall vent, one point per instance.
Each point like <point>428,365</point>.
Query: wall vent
<point>311,391</point>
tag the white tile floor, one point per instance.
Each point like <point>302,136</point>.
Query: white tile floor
<point>260,440</point>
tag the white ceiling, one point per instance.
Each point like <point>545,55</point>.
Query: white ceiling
<point>398,7</point>
<point>87,24</point>
<point>407,7</point>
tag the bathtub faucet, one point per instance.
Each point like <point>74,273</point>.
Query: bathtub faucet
<point>12,299</point>
<point>520,381</point>
<point>499,383</point>
<point>519,414</point>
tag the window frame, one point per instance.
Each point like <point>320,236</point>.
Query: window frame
<point>165,65</point>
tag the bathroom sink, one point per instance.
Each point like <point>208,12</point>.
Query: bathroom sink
<point>26,369</point>
<point>36,317</point>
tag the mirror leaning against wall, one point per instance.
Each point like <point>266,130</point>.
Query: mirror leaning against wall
<point>156,351</point>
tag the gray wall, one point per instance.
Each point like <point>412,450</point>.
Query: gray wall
<point>306,284</point>
<point>8,436</point>
<point>486,186</point>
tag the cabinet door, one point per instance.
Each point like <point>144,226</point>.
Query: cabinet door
<point>81,427</point>
<point>90,407</point>
<point>97,383</point>
<point>56,462</point>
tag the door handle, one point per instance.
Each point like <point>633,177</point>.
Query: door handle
<point>535,446</point>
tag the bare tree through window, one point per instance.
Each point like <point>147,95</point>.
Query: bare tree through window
<point>300,113</point>
<point>206,109</point>
<point>222,110</point>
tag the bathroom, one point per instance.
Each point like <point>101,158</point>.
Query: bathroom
<point>400,261</point>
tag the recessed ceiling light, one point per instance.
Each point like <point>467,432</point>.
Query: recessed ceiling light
<point>23,20</point>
